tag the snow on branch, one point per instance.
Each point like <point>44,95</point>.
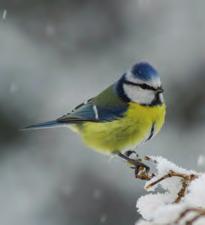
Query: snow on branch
<point>177,196</point>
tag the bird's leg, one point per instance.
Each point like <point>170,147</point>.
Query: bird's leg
<point>130,152</point>
<point>141,170</point>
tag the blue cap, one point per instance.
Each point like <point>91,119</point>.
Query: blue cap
<point>144,71</point>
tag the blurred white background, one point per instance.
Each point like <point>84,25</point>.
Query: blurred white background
<point>56,54</point>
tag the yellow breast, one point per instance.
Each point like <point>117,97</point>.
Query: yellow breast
<point>125,133</point>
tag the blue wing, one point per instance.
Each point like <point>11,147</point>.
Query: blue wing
<point>83,112</point>
<point>92,112</point>
<point>105,107</point>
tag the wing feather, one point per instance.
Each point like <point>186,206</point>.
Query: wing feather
<point>105,107</point>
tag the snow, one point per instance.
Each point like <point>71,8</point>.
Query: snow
<point>142,222</point>
<point>103,218</point>
<point>196,195</point>
<point>4,14</point>
<point>201,160</point>
<point>151,202</point>
<point>97,194</point>
<point>163,167</point>
<point>13,88</point>
<point>161,208</point>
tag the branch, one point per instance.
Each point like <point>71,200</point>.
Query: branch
<point>181,203</point>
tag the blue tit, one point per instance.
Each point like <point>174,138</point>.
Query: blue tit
<point>126,114</point>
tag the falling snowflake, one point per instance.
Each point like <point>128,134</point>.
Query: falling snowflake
<point>4,15</point>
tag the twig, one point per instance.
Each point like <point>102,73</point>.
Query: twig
<point>200,213</point>
<point>186,180</point>
<point>190,222</point>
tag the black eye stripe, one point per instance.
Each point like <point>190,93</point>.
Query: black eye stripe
<point>143,86</point>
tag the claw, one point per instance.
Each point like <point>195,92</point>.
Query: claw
<point>130,152</point>
<point>141,170</point>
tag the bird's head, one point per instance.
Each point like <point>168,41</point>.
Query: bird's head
<point>141,84</point>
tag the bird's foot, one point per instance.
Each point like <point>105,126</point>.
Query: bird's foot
<point>130,153</point>
<point>142,171</point>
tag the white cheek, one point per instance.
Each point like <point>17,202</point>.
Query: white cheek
<point>136,94</point>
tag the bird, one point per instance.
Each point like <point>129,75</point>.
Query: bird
<point>128,113</point>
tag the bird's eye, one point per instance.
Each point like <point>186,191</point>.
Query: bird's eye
<point>144,86</point>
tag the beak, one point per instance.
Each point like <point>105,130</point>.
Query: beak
<point>160,90</point>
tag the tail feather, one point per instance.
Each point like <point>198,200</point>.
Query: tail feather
<point>48,124</point>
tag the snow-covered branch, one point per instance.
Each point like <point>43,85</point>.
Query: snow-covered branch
<point>177,198</point>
